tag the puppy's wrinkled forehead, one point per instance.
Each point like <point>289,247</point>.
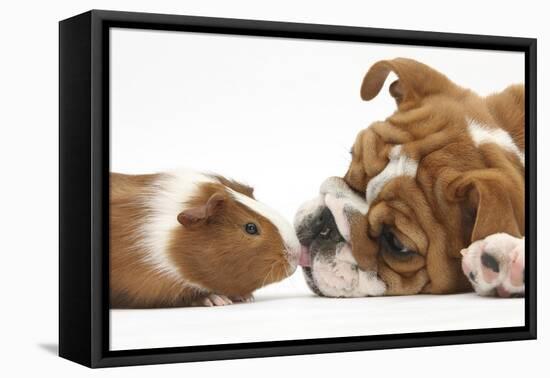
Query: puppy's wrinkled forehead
<point>436,124</point>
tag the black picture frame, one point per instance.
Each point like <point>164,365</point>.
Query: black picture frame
<point>84,187</point>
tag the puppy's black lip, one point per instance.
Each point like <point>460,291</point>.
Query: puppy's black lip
<point>310,282</point>
<point>304,240</point>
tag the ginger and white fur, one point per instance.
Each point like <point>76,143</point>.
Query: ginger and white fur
<point>339,275</point>
<point>158,261</point>
<point>445,170</point>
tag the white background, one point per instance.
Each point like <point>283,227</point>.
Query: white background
<point>280,114</point>
<point>29,191</point>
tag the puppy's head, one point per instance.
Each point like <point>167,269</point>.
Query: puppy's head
<point>329,228</point>
<point>446,169</point>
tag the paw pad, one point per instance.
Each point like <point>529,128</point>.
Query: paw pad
<point>495,265</point>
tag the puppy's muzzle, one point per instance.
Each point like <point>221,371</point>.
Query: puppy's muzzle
<point>319,237</point>
<point>319,227</point>
<point>326,259</point>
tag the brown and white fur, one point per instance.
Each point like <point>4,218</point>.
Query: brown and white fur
<point>443,185</point>
<point>180,238</point>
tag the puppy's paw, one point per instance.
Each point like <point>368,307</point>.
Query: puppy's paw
<point>495,265</point>
<point>212,300</point>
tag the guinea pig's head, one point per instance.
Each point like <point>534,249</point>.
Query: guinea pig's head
<point>231,244</point>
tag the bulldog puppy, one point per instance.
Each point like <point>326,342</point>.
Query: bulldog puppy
<point>444,171</point>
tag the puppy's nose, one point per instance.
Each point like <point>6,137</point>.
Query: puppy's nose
<point>315,227</point>
<point>325,219</point>
<point>323,224</point>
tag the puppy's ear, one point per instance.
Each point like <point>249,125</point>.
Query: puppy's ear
<point>369,158</point>
<point>508,108</point>
<point>415,81</point>
<point>202,212</point>
<point>497,204</point>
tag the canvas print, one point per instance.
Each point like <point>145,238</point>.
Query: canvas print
<point>266,189</point>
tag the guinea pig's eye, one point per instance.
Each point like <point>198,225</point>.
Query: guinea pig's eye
<point>251,229</point>
<point>392,244</point>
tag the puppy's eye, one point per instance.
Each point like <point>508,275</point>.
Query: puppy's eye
<point>392,244</point>
<point>251,229</point>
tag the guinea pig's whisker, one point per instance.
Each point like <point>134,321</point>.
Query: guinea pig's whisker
<point>268,273</point>
<point>286,267</point>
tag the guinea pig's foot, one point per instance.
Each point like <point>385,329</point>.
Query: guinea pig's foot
<point>495,265</point>
<point>216,300</point>
<point>243,299</point>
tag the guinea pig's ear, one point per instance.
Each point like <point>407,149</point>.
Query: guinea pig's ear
<point>202,212</point>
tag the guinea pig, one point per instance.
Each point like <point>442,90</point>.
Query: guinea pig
<point>189,238</point>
